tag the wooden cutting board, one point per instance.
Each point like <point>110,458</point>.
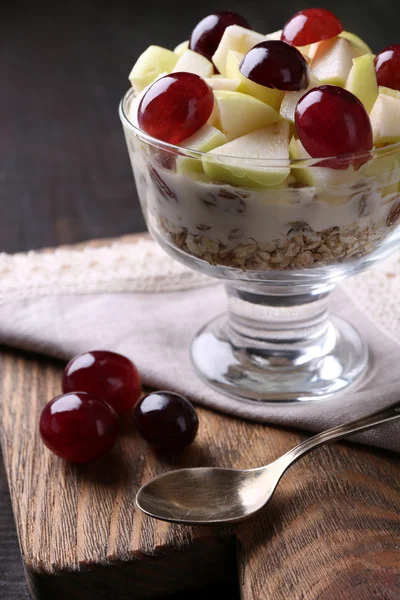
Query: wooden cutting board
<point>331,532</point>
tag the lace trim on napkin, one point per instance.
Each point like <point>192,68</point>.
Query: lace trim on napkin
<point>142,266</point>
<point>119,267</point>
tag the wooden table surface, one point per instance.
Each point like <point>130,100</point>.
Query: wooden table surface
<point>64,170</point>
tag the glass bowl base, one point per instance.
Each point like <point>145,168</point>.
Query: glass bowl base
<point>247,374</point>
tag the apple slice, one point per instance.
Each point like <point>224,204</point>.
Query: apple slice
<point>275,35</point>
<point>389,91</point>
<point>385,120</point>
<point>267,95</point>
<point>205,139</point>
<point>356,42</point>
<point>150,64</point>
<point>239,113</point>
<point>238,162</point>
<point>193,62</point>
<point>332,61</point>
<point>362,80</point>
<point>321,177</point>
<point>290,100</point>
<point>216,82</point>
<point>235,38</point>
<point>181,48</point>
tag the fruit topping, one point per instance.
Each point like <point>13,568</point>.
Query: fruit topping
<point>387,67</point>
<point>106,375</point>
<point>79,427</point>
<point>175,107</point>
<point>207,34</point>
<point>331,121</point>
<point>311,25</point>
<point>166,420</point>
<point>275,64</point>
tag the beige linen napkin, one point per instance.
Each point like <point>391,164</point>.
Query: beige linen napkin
<point>134,299</point>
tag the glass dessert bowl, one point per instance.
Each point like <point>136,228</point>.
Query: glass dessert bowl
<point>280,232</point>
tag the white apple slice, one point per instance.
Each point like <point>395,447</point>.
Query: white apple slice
<point>223,83</point>
<point>389,91</point>
<point>333,61</point>
<point>320,177</point>
<point>275,35</point>
<point>239,113</point>
<point>356,42</point>
<point>362,80</point>
<point>193,62</point>
<point>235,162</point>
<point>290,100</point>
<point>181,48</point>
<point>205,139</point>
<point>385,119</point>
<point>150,64</point>
<point>269,96</point>
<point>235,38</point>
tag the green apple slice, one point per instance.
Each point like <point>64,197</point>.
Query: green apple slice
<point>180,48</point>
<point>362,80</point>
<point>356,42</point>
<point>235,38</point>
<point>385,119</point>
<point>269,96</point>
<point>223,83</point>
<point>150,64</point>
<point>193,62</point>
<point>239,113</point>
<point>290,100</point>
<point>333,61</point>
<point>205,139</point>
<point>235,162</point>
<point>389,91</point>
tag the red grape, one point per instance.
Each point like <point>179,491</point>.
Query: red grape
<point>387,67</point>
<point>311,25</point>
<point>166,420</point>
<point>208,33</point>
<point>79,427</point>
<point>107,375</point>
<point>275,64</point>
<point>331,121</point>
<point>175,107</point>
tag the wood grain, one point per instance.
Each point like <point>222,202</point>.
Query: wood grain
<point>332,530</point>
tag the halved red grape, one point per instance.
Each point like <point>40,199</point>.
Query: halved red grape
<point>107,375</point>
<point>175,107</point>
<point>387,67</point>
<point>311,25</point>
<point>331,121</point>
<point>208,32</point>
<point>166,420</point>
<point>275,64</point>
<point>79,427</point>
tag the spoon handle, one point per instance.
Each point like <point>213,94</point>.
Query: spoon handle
<point>390,413</point>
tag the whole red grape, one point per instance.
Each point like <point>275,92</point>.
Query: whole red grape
<point>175,107</point>
<point>311,25</point>
<point>331,121</point>
<point>79,427</point>
<point>387,67</point>
<point>107,375</point>
<point>207,34</point>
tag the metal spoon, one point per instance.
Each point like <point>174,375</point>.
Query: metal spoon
<point>201,496</point>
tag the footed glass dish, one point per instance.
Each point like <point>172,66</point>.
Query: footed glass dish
<point>280,250</point>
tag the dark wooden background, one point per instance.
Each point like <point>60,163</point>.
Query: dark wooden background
<point>64,170</point>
